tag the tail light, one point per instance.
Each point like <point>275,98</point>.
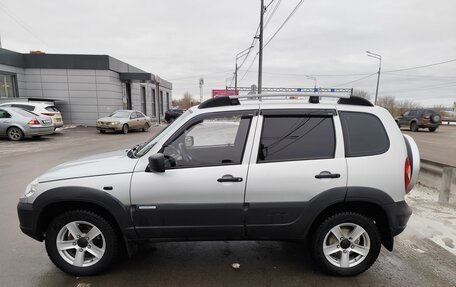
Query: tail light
<point>33,122</point>
<point>407,173</point>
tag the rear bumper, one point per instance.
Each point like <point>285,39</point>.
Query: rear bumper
<point>27,222</point>
<point>39,131</point>
<point>399,214</point>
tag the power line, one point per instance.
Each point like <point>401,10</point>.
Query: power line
<point>419,67</point>
<point>250,66</point>
<point>272,13</point>
<point>284,22</point>
<point>354,81</point>
<point>20,22</point>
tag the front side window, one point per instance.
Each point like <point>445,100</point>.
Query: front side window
<point>364,134</point>
<point>210,141</point>
<point>300,137</point>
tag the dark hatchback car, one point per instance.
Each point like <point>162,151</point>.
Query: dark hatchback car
<point>420,119</point>
<point>173,114</point>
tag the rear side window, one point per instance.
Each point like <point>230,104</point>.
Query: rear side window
<point>51,109</point>
<point>301,137</point>
<point>25,107</point>
<point>26,113</point>
<point>364,134</point>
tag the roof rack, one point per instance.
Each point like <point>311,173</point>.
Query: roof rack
<point>314,98</point>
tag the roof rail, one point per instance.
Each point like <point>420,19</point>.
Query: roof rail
<point>357,101</point>
<point>314,98</point>
<point>218,102</point>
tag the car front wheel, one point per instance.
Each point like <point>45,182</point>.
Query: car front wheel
<point>346,244</point>
<point>81,243</point>
<point>125,129</point>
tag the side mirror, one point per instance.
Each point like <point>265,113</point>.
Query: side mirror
<point>157,162</point>
<point>189,141</point>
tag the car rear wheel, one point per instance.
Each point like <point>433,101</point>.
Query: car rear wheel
<point>145,128</point>
<point>413,127</point>
<point>81,243</point>
<point>102,131</point>
<point>432,129</point>
<point>125,129</point>
<point>15,134</point>
<point>346,244</point>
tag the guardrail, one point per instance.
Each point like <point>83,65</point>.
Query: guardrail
<point>440,176</point>
<point>448,121</point>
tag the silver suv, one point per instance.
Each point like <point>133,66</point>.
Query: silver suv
<point>333,176</point>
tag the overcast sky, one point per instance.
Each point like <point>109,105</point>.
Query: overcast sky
<point>184,40</point>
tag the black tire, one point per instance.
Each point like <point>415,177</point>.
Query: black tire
<point>111,243</point>
<point>125,129</point>
<point>145,127</point>
<point>432,129</point>
<point>102,131</point>
<point>413,127</point>
<point>15,134</point>
<point>365,262</point>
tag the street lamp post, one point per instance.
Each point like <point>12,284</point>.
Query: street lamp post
<point>315,81</point>
<point>239,55</point>
<point>378,57</point>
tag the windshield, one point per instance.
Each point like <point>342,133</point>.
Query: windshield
<point>147,146</point>
<point>120,114</point>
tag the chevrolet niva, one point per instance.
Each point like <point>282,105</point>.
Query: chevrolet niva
<point>332,175</point>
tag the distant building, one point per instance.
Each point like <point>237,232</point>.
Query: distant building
<point>83,87</point>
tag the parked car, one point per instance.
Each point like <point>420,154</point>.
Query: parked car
<point>173,114</point>
<point>16,124</point>
<point>420,118</point>
<point>124,121</point>
<point>332,175</point>
<point>43,109</point>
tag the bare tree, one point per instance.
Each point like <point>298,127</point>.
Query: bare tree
<point>395,107</point>
<point>186,102</point>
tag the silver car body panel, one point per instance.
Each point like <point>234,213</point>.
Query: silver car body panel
<point>19,120</point>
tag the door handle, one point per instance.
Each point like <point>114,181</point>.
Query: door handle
<point>327,174</point>
<point>229,178</point>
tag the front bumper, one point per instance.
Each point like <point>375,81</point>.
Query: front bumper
<point>27,220</point>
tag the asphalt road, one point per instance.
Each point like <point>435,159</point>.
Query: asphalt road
<point>416,260</point>
<point>438,146</point>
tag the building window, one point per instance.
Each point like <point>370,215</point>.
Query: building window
<point>154,105</point>
<point>143,99</point>
<point>8,86</point>
<point>167,101</point>
<point>162,105</point>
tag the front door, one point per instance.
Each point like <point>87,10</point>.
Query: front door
<point>296,158</point>
<point>201,193</point>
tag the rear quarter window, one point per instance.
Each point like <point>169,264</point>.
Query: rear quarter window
<point>51,109</point>
<point>364,134</point>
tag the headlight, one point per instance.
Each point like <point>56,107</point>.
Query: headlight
<point>31,188</point>
<point>114,123</point>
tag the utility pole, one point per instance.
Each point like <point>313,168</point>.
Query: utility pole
<point>157,89</point>
<point>378,57</point>
<point>260,60</point>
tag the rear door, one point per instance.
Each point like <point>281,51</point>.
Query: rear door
<point>297,158</point>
